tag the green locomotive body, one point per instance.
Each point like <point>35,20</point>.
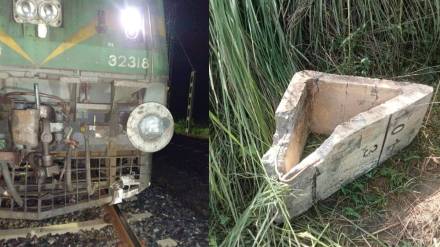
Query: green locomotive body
<point>83,94</point>
<point>91,37</point>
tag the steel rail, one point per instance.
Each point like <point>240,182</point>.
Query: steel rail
<point>120,224</point>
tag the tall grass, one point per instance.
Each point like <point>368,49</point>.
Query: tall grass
<point>256,47</point>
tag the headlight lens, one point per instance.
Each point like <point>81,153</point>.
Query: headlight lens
<point>45,12</point>
<point>132,22</point>
<point>26,9</point>
<point>48,12</point>
<point>151,127</point>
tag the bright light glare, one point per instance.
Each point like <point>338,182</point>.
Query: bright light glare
<point>132,21</point>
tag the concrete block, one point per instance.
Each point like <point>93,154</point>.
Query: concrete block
<point>367,121</point>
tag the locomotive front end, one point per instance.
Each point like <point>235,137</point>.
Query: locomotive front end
<point>83,95</point>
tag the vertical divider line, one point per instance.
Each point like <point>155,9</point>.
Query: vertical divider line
<point>384,140</point>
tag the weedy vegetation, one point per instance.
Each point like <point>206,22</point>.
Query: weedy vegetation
<point>196,130</point>
<point>256,47</point>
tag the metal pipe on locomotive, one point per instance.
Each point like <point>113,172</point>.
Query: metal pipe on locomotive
<point>83,93</point>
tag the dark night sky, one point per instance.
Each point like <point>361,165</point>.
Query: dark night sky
<point>187,21</point>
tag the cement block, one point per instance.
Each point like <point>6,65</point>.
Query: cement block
<point>367,120</point>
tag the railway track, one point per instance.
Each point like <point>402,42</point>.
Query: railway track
<point>112,215</point>
<point>121,227</point>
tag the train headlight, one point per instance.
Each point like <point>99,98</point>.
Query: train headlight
<point>26,9</point>
<point>132,22</point>
<point>150,127</point>
<point>48,11</point>
<point>38,12</point>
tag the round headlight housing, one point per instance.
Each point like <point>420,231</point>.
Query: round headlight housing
<point>150,127</point>
<point>48,11</point>
<point>26,9</point>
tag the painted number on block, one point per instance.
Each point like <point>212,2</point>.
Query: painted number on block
<point>128,62</point>
<point>398,128</point>
<point>368,151</point>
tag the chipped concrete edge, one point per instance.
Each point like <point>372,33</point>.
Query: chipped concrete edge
<point>288,110</point>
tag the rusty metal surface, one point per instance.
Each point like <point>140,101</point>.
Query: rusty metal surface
<point>24,127</point>
<point>57,199</point>
<point>125,234</point>
<point>9,156</point>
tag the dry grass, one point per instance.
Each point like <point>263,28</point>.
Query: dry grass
<point>422,225</point>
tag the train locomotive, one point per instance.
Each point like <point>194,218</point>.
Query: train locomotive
<point>83,95</point>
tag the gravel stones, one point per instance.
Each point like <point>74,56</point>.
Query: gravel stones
<point>164,218</point>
